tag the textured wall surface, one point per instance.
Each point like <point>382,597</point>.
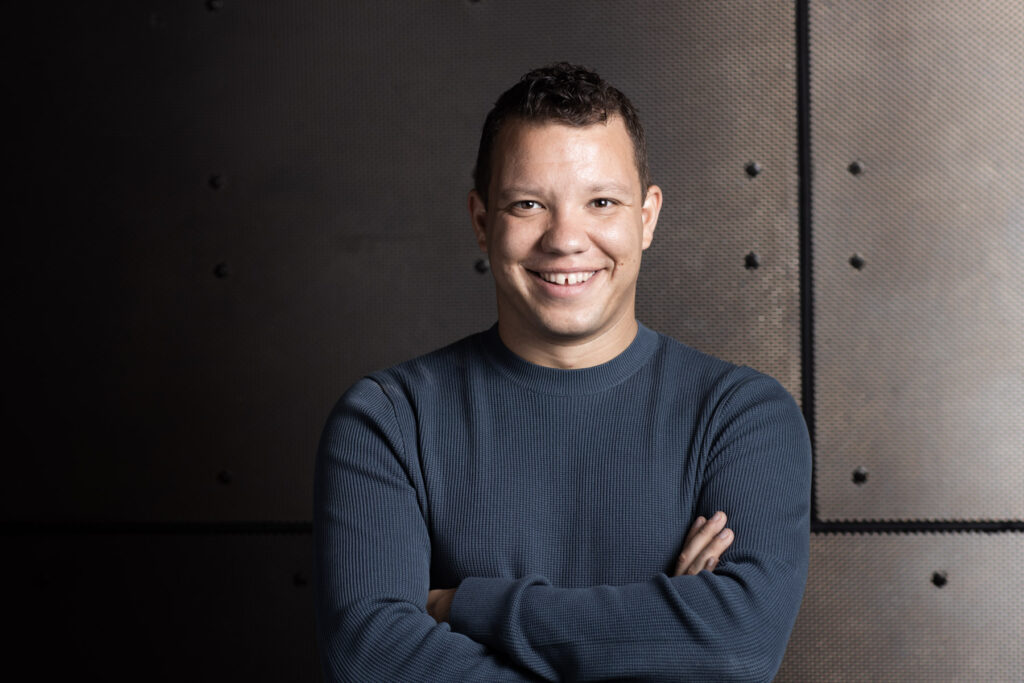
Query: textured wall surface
<point>274,205</point>
<point>918,141</point>
<point>910,607</point>
<point>226,212</point>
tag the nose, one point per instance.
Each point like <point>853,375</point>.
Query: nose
<point>566,233</point>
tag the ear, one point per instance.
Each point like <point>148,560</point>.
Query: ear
<point>478,216</point>
<point>649,213</point>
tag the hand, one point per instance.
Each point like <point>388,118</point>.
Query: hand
<point>439,603</point>
<point>704,544</point>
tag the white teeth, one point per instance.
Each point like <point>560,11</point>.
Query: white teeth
<point>567,278</point>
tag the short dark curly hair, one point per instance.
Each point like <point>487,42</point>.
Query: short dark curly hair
<point>563,93</point>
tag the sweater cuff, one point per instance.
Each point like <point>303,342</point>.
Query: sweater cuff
<point>482,608</point>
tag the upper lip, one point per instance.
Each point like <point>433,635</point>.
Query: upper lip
<point>564,270</point>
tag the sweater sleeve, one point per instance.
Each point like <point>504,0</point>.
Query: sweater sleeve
<point>372,559</point>
<point>729,625</point>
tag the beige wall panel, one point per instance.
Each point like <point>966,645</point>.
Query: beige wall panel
<point>873,612</point>
<point>919,351</point>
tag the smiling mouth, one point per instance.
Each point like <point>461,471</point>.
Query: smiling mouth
<point>565,279</point>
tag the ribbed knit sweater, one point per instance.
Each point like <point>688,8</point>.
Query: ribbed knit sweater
<point>557,501</point>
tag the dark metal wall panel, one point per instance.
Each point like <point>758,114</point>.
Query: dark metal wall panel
<point>160,608</point>
<point>922,607</point>
<point>234,210</point>
<point>720,106</point>
<point>918,209</point>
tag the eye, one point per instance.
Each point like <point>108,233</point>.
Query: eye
<point>603,203</point>
<point>525,206</point>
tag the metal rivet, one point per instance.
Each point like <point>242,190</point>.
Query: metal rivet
<point>860,476</point>
<point>482,265</point>
<point>939,579</point>
<point>751,261</point>
<point>855,168</point>
<point>857,261</point>
<point>753,169</point>
<point>222,270</point>
<point>299,579</point>
<point>216,181</point>
<point>225,477</point>
<point>214,5</point>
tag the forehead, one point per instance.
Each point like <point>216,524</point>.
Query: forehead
<point>530,147</point>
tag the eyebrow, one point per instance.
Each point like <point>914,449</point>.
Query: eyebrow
<point>510,192</point>
<point>609,187</point>
<point>513,191</point>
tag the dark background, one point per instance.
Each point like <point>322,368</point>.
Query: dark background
<point>225,212</point>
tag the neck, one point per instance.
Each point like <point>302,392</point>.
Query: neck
<point>570,353</point>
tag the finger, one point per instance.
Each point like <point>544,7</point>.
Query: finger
<point>704,534</point>
<point>709,556</point>
<point>689,552</point>
<point>694,528</point>
<point>701,534</point>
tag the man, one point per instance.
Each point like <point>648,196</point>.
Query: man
<point>546,500</point>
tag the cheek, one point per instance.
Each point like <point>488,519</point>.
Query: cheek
<point>624,243</point>
<point>509,244</point>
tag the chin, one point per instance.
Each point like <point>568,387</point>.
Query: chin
<point>570,329</point>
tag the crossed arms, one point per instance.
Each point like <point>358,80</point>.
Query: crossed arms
<point>378,618</point>
<point>704,545</point>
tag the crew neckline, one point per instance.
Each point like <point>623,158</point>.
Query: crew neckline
<point>592,380</point>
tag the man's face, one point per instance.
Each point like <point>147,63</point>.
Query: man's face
<point>564,229</point>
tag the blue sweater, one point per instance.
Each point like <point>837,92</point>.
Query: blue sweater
<point>557,502</point>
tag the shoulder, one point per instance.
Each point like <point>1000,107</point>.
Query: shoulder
<point>385,401</point>
<point>431,371</point>
<point>701,373</point>
<point>430,379</point>
<point>672,351</point>
<point>722,388</point>
<point>739,410</point>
